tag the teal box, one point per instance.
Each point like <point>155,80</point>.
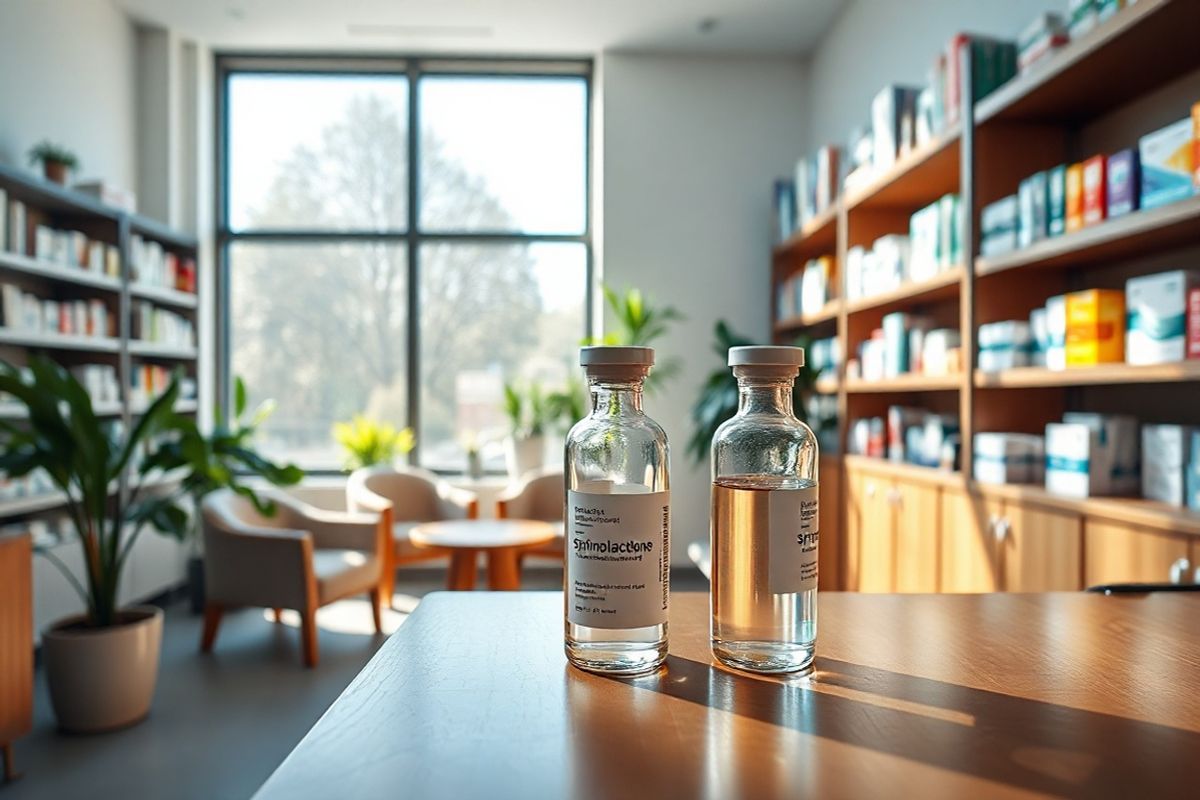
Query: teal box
<point>1056,200</point>
<point>1166,159</point>
<point>1193,487</point>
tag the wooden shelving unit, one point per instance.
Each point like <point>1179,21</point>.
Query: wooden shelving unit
<point>64,209</point>
<point>1131,74</point>
<point>828,313</point>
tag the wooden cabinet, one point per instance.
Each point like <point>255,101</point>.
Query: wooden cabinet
<point>16,643</point>
<point>891,534</point>
<point>1116,552</point>
<point>829,552</point>
<point>970,559</point>
<point>1041,549</point>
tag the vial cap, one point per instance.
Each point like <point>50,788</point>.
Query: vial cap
<point>766,356</point>
<point>612,356</point>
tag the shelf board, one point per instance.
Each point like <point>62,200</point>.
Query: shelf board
<point>32,505</point>
<point>917,180</point>
<point>155,350</point>
<point>941,286</point>
<point>57,341</point>
<point>899,469</point>
<point>905,383</point>
<point>1140,48</point>
<point>12,262</point>
<point>1130,510</point>
<point>817,237</point>
<point>826,386</point>
<point>158,294</point>
<point>1135,234</point>
<point>34,190</point>
<point>829,312</point>
<point>153,229</point>
<point>1024,377</point>
<point>181,407</point>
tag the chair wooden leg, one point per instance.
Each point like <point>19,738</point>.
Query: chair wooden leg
<point>308,636</point>
<point>504,570</point>
<point>10,772</point>
<point>463,565</point>
<point>212,621</point>
<point>376,609</point>
<point>278,614</point>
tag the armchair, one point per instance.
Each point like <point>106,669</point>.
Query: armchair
<point>404,497</point>
<point>300,558</point>
<point>540,494</point>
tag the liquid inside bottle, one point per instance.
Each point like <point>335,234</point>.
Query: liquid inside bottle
<point>765,520</point>
<point>753,627</point>
<point>616,572</point>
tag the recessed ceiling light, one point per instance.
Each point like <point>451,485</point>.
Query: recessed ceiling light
<point>419,30</point>
<point>707,25</point>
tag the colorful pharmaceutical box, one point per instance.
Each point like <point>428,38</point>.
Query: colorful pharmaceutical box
<point>998,222</point>
<point>1095,190</point>
<point>1008,458</point>
<point>1167,164</point>
<point>1196,147</point>
<point>1031,204</point>
<point>1119,453</point>
<point>1157,316</point>
<point>1095,327</point>
<point>1124,182</point>
<point>1073,461</point>
<point>1082,16</point>
<point>1074,194</point>
<point>1056,200</point>
<point>1193,324</point>
<point>1166,457</point>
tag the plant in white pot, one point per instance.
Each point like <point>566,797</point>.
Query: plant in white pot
<point>102,665</point>
<point>528,415</point>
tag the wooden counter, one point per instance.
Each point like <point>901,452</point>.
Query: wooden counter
<point>1003,695</point>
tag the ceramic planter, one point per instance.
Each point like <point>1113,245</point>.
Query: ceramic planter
<point>103,678</point>
<point>55,171</point>
<point>525,454</point>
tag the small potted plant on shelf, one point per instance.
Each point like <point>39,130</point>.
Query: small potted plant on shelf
<point>56,160</point>
<point>102,665</point>
<point>368,442</point>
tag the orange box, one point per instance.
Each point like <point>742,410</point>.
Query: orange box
<point>1095,193</point>
<point>1196,146</point>
<point>1074,197</point>
<point>1095,327</point>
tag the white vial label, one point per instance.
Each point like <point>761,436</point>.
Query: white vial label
<point>794,522</point>
<point>618,556</point>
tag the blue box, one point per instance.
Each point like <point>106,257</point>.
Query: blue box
<point>1166,160</point>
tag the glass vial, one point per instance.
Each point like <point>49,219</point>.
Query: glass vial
<point>616,575</point>
<point>765,523</point>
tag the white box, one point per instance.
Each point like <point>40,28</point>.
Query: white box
<point>1120,446</point>
<point>1073,461</point>
<point>1166,457</point>
<point>1008,458</point>
<point>1156,310</point>
<point>1056,332</point>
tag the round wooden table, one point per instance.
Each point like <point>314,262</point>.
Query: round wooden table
<point>502,540</point>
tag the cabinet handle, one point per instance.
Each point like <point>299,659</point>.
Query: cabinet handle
<point>870,490</point>
<point>1179,570</point>
<point>894,496</point>
<point>1001,528</point>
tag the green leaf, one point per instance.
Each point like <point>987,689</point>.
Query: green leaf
<point>239,397</point>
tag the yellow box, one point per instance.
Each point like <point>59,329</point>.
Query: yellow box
<point>1095,327</point>
<point>1074,194</point>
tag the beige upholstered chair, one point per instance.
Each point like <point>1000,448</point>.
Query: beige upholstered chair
<point>541,495</point>
<point>404,497</point>
<point>300,558</point>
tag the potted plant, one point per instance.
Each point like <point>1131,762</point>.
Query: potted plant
<point>640,323</point>
<point>56,160</point>
<point>368,442</point>
<point>474,451</point>
<point>528,415</point>
<point>718,399</point>
<point>102,665</point>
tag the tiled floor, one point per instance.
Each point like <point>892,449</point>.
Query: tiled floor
<point>222,723</point>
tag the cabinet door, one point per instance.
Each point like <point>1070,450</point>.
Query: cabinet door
<point>1119,553</point>
<point>969,560</point>
<point>916,537</point>
<point>1042,549</point>
<point>830,549</point>
<point>852,530</point>
<point>876,547</point>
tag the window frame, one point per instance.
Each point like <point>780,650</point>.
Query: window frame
<point>413,67</point>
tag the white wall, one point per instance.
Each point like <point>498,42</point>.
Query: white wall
<point>691,146</point>
<point>876,42</point>
<point>67,74</point>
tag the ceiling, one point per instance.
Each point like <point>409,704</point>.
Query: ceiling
<point>528,27</point>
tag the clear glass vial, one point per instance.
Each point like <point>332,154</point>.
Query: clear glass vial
<point>765,521</point>
<point>616,575</point>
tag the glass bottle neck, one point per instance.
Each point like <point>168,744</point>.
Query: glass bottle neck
<point>611,399</point>
<point>765,397</point>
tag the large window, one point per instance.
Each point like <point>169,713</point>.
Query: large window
<point>400,239</point>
